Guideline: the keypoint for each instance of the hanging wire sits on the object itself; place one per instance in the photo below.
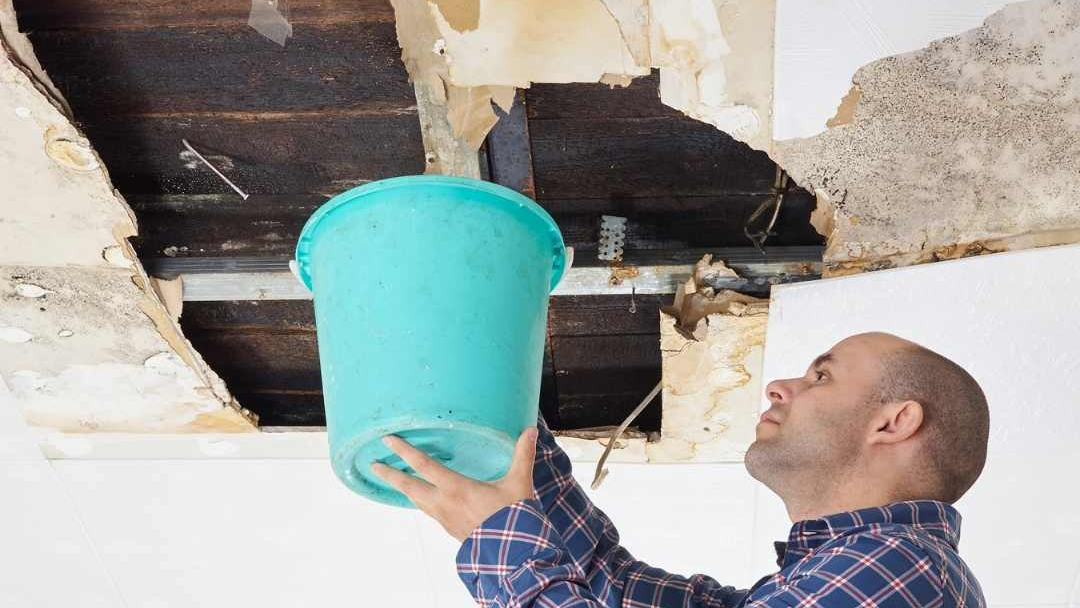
(601, 472)
(758, 238)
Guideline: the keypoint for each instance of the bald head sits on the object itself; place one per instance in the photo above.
(956, 419)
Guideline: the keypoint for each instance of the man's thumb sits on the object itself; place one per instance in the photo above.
(521, 469)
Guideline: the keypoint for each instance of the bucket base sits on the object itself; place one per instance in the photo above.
(475, 451)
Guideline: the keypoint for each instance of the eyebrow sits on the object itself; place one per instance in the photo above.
(822, 360)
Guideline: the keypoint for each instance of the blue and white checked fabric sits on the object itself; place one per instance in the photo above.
(558, 550)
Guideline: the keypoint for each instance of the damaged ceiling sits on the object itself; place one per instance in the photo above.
(947, 141)
(142, 77)
(987, 160)
(86, 342)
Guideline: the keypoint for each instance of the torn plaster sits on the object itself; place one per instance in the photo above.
(715, 61)
(95, 361)
(79, 314)
(969, 146)
(18, 46)
(514, 44)
(712, 345)
(711, 373)
(58, 207)
(715, 56)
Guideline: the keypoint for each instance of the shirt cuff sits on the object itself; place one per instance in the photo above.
(503, 544)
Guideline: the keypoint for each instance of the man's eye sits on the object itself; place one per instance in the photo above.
(819, 376)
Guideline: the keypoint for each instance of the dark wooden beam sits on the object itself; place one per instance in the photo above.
(305, 154)
(643, 157)
(509, 149)
(35, 15)
(580, 100)
(601, 378)
(231, 72)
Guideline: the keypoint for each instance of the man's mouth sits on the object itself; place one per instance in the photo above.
(768, 417)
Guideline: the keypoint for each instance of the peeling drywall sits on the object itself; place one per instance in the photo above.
(715, 56)
(711, 345)
(88, 343)
(93, 360)
(969, 146)
(715, 60)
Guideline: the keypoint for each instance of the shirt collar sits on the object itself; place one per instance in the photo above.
(934, 517)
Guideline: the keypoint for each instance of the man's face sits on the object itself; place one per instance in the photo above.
(817, 423)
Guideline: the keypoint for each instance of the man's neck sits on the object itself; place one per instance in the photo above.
(815, 503)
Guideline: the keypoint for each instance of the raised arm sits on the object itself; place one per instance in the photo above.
(559, 550)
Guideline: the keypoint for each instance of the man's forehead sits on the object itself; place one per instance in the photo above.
(858, 350)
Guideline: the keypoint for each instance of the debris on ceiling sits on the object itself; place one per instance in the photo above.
(87, 342)
(929, 155)
(708, 56)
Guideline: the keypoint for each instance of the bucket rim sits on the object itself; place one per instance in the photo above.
(509, 196)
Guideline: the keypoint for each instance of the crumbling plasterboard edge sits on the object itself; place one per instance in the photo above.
(445, 153)
(1017, 242)
(711, 389)
(73, 196)
(711, 376)
(19, 46)
(715, 59)
(468, 69)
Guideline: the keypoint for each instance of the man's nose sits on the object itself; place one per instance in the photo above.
(781, 391)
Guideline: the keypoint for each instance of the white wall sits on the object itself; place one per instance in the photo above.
(220, 528)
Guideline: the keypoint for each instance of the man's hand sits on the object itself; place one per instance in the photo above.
(459, 503)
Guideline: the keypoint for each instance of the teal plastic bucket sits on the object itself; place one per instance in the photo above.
(431, 298)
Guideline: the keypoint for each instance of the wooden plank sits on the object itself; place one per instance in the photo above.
(605, 315)
(509, 149)
(306, 154)
(261, 359)
(595, 100)
(582, 411)
(282, 315)
(111, 14)
(284, 407)
(601, 378)
(348, 68)
(643, 157)
(221, 224)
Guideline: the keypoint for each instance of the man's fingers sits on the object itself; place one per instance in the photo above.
(428, 468)
(521, 469)
(418, 490)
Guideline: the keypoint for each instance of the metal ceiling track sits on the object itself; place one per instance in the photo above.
(642, 272)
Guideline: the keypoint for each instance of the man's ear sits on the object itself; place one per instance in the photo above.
(896, 422)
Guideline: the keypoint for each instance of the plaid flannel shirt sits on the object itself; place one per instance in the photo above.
(557, 550)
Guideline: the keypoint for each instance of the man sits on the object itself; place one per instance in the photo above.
(868, 450)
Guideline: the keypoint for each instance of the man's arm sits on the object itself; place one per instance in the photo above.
(559, 550)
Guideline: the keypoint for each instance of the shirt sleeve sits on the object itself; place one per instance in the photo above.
(867, 569)
(558, 550)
